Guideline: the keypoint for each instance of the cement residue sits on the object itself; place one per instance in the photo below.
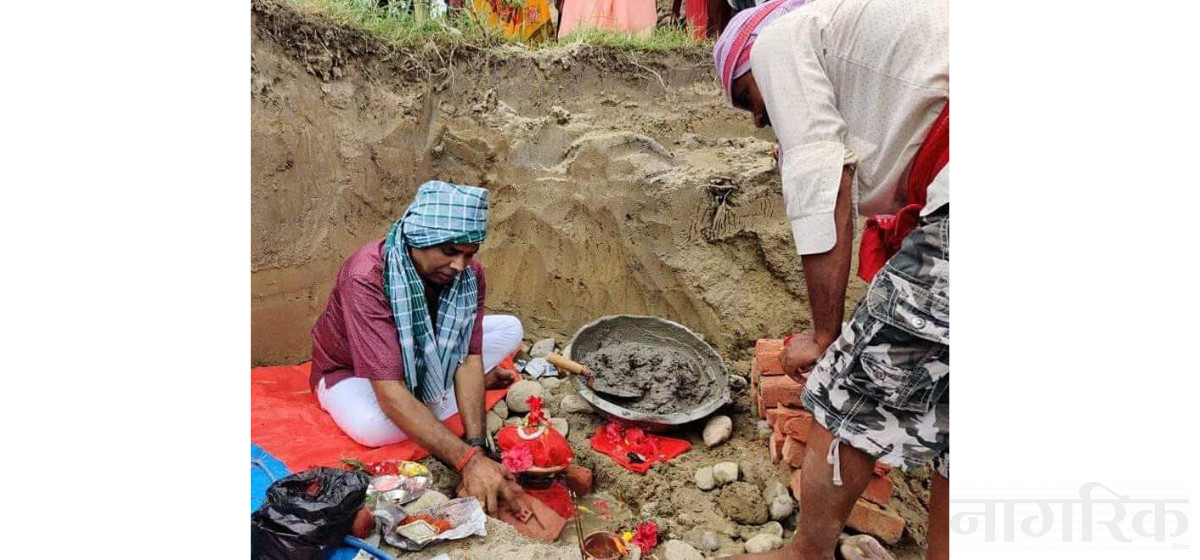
(670, 380)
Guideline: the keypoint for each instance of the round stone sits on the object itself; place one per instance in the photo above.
(561, 425)
(724, 473)
(675, 549)
(704, 479)
(781, 507)
(519, 392)
(494, 423)
(575, 403)
(763, 543)
(717, 430)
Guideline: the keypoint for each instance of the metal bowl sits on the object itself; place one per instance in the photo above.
(666, 333)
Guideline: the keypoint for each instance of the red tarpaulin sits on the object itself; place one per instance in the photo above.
(287, 421)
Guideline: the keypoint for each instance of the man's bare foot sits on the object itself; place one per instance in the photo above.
(500, 378)
(863, 547)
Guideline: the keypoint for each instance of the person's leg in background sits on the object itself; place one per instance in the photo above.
(939, 509)
(880, 392)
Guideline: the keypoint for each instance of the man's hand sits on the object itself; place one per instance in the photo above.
(486, 481)
(500, 378)
(801, 354)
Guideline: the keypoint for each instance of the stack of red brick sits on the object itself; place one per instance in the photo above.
(777, 398)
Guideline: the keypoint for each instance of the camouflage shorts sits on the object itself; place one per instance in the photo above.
(884, 386)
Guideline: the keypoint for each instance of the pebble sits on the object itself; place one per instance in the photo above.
(764, 428)
(514, 421)
(724, 473)
(709, 542)
(561, 425)
(772, 489)
(501, 408)
(494, 423)
(717, 430)
(763, 543)
(704, 479)
(781, 507)
(550, 383)
(542, 348)
(519, 392)
(635, 552)
(675, 549)
(772, 528)
(575, 403)
(538, 367)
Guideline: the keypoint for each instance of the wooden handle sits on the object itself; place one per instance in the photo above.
(561, 362)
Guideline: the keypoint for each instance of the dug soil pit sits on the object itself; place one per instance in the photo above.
(621, 183)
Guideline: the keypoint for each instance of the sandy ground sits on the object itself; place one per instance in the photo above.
(621, 184)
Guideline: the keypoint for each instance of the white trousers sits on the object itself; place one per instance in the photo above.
(355, 410)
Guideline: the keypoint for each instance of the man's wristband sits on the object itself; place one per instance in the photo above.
(480, 442)
(466, 458)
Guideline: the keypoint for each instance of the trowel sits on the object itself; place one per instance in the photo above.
(603, 386)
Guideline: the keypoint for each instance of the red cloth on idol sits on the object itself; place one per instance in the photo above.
(549, 450)
(618, 444)
(884, 233)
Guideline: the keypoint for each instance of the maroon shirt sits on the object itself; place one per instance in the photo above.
(355, 336)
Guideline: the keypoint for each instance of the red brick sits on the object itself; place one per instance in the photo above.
(776, 445)
(794, 484)
(755, 389)
(766, 351)
(883, 523)
(793, 452)
(779, 390)
(798, 426)
(542, 522)
(578, 479)
(779, 412)
(879, 490)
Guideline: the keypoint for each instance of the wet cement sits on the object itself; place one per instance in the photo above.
(669, 379)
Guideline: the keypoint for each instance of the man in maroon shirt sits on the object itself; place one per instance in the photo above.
(360, 366)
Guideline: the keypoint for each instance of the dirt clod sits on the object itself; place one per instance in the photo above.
(743, 503)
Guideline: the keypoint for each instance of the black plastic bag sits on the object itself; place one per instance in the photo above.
(305, 513)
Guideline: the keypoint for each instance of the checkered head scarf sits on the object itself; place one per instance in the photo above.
(441, 213)
(731, 53)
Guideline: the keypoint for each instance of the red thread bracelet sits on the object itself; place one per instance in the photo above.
(466, 458)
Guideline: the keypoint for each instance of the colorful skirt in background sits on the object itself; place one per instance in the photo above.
(525, 20)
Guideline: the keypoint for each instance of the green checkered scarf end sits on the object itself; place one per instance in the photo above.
(441, 213)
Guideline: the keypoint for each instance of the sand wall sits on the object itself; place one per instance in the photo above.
(621, 183)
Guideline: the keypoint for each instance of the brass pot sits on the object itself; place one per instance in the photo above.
(603, 545)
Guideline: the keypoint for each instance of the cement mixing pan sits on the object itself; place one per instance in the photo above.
(599, 337)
